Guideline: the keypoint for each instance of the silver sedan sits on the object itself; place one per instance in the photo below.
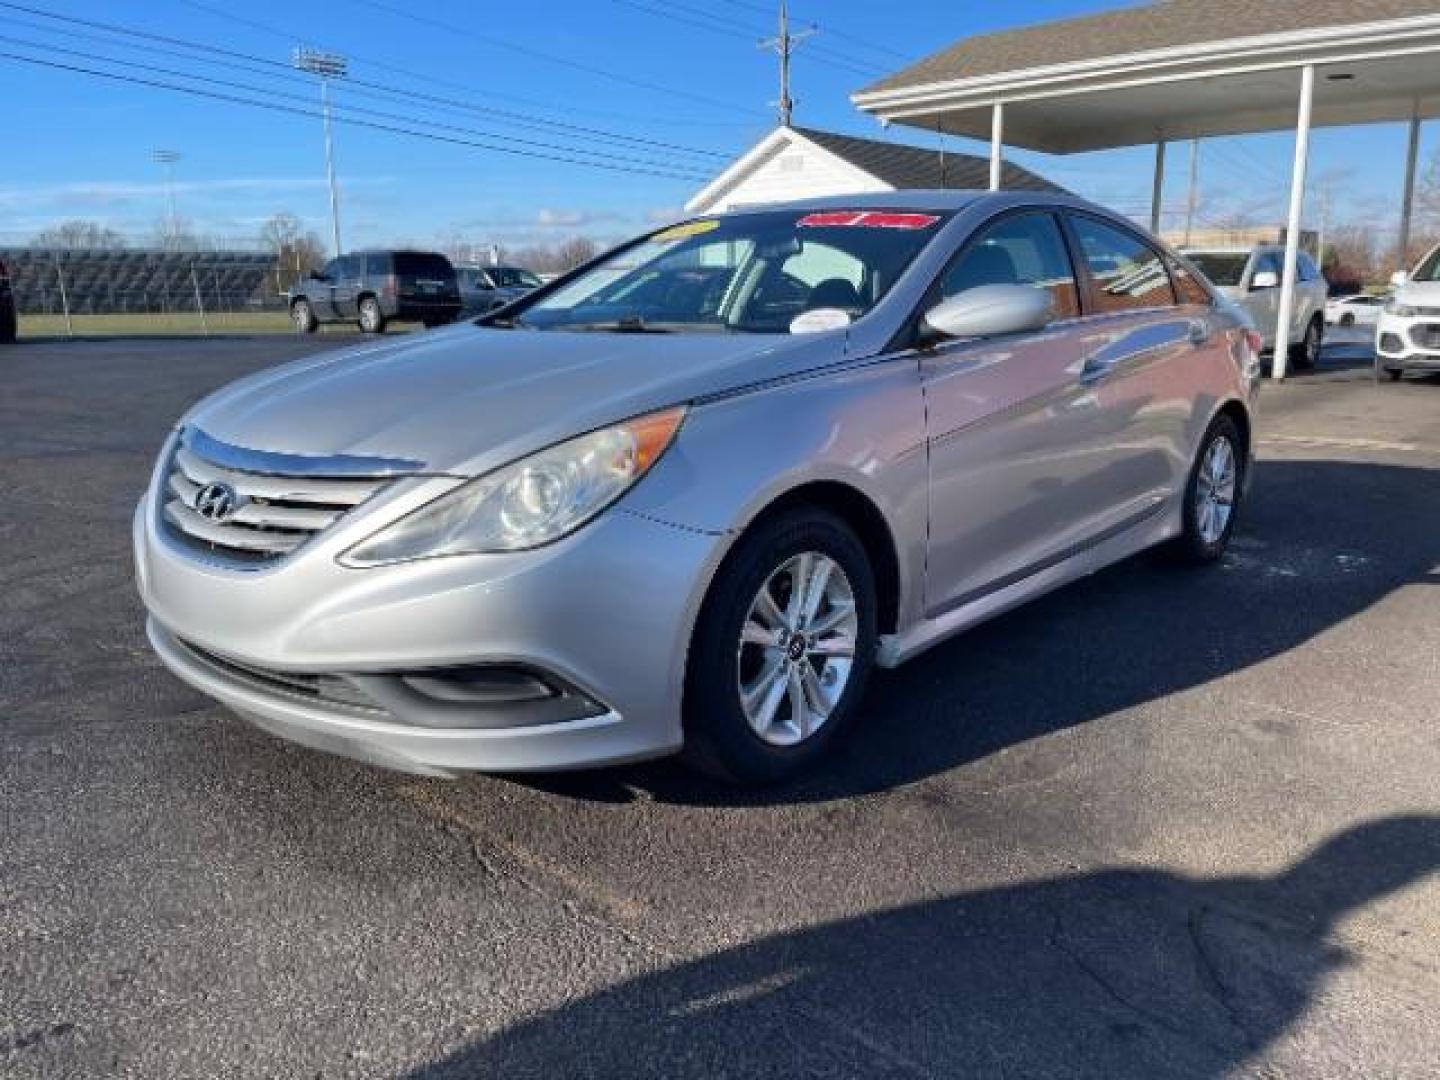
(687, 498)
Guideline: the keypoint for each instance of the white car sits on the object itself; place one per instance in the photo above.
(1250, 277)
(1407, 337)
(1358, 310)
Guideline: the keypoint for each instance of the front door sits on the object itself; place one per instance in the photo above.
(1003, 416)
(344, 286)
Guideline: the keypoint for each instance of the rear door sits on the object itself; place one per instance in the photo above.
(345, 287)
(1142, 352)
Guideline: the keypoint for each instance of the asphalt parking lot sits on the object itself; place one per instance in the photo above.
(1162, 823)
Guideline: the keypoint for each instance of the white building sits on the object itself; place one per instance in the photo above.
(799, 163)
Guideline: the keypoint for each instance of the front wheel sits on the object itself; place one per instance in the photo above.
(782, 650)
(1212, 495)
(372, 320)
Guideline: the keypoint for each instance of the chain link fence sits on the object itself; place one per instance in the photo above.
(75, 292)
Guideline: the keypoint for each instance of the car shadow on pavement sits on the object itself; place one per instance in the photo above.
(1117, 973)
(1319, 542)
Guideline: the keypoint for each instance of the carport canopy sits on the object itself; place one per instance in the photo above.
(1164, 71)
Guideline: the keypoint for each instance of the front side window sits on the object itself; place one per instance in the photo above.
(1024, 249)
(331, 270)
(755, 273)
(1127, 272)
(377, 265)
(513, 277)
(1305, 267)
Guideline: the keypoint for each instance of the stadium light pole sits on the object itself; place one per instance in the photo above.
(327, 66)
(167, 159)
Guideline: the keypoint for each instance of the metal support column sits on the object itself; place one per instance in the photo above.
(1157, 191)
(1292, 228)
(997, 143)
(1407, 203)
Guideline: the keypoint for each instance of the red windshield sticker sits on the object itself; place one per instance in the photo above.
(867, 219)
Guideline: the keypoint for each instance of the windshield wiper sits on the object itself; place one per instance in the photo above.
(629, 324)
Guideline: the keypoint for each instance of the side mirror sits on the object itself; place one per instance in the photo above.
(989, 311)
(1264, 279)
(1399, 279)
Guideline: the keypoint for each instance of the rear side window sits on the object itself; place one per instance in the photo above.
(1127, 272)
(1023, 249)
(1268, 262)
(377, 265)
(412, 264)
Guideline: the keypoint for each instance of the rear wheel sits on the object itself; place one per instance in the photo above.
(1395, 373)
(1212, 495)
(782, 650)
(1305, 353)
(372, 320)
(303, 316)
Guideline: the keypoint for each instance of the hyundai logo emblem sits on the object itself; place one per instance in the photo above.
(216, 502)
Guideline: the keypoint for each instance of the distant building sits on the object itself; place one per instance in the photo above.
(800, 163)
(1241, 237)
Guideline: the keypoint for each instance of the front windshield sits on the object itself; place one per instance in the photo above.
(1221, 267)
(1429, 268)
(770, 272)
(512, 277)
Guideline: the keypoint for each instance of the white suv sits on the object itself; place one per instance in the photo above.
(1408, 334)
(1251, 278)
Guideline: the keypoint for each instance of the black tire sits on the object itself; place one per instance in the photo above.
(1305, 353)
(1395, 373)
(303, 316)
(719, 740)
(372, 319)
(1192, 546)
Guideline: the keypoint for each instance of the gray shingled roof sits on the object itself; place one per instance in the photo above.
(1166, 24)
(907, 167)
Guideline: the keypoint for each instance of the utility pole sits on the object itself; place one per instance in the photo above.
(327, 66)
(167, 159)
(784, 46)
(1194, 190)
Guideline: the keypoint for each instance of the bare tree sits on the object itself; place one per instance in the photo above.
(79, 235)
(298, 250)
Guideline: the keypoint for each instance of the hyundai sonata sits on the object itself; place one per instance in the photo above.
(688, 496)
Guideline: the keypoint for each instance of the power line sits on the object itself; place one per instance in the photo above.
(570, 108)
(156, 70)
(705, 20)
(855, 39)
(279, 70)
(551, 58)
(311, 113)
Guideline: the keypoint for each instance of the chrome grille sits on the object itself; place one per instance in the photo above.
(268, 513)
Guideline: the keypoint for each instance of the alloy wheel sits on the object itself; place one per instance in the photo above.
(797, 649)
(1215, 485)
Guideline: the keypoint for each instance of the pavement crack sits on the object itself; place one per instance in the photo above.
(1057, 941)
(1210, 975)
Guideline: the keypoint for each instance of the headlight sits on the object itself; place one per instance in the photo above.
(531, 502)
(1403, 311)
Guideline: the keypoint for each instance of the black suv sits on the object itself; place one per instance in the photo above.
(7, 307)
(373, 287)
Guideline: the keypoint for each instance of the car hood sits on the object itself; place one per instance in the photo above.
(466, 399)
(1420, 293)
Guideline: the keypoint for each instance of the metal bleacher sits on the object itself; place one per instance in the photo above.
(46, 281)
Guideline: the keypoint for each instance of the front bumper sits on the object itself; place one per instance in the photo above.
(608, 612)
(1408, 343)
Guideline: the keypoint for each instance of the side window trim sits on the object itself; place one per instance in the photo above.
(1088, 289)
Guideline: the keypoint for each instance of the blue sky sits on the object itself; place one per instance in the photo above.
(692, 80)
